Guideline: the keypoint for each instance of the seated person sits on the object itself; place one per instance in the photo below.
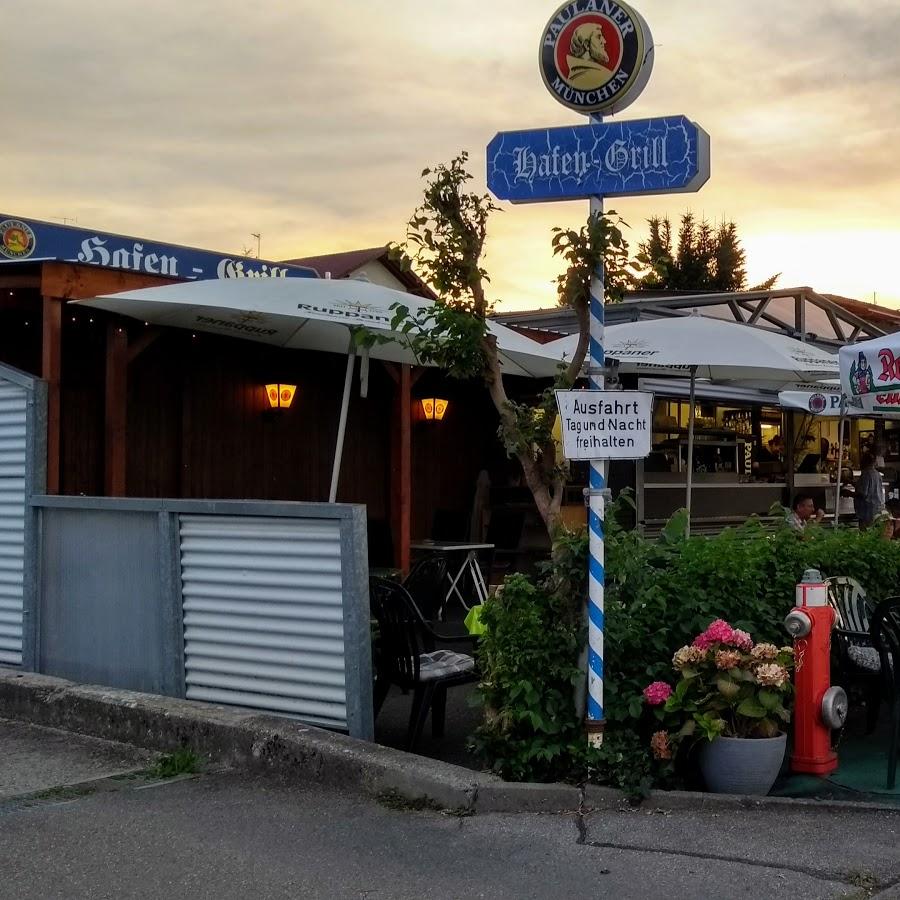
(892, 522)
(803, 511)
(771, 451)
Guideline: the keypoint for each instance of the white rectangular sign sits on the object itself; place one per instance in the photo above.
(605, 424)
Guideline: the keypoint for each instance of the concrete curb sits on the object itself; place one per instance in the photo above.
(251, 741)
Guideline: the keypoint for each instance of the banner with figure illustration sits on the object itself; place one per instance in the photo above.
(870, 374)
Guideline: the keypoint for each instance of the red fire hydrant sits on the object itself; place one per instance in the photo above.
(818, 706)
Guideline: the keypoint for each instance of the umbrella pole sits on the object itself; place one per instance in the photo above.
(342, 424)
(690, 450)
(840, 457)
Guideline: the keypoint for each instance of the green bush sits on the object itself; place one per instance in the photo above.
(659, 595)
(529, 657)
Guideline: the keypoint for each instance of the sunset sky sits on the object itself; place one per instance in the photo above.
(199, 122)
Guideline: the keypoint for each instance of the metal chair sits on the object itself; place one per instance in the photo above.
(857, 659)
(886, 638)
(404, 658)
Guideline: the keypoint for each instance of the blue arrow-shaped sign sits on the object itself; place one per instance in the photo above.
(667, 155)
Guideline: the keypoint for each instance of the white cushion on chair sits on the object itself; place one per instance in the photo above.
(441, 663)
(865, 657)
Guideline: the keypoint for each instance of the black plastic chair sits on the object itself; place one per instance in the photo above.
(856, 656)
(504, 531)
(886, 638)
(405, 660)
(426, 584)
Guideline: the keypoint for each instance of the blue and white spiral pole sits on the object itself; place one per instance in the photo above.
(597, 488)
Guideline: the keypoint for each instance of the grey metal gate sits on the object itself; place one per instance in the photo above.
(22, 461)
(264, 614)
(258, 604)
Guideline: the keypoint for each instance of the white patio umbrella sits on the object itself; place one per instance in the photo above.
(707, 348)
(306, 313)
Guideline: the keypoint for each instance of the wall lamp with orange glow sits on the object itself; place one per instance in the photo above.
(433, 408)
(281, 396)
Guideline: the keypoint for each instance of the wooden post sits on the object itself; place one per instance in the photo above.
(405, 483)
(116, 419)
(404, 377)
(401, 464)
(51, 372)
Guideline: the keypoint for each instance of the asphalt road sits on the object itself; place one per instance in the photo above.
(226, 835)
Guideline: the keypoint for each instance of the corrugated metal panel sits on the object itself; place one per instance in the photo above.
(13, 406)
(263, 615)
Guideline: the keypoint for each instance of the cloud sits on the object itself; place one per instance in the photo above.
(200, 122)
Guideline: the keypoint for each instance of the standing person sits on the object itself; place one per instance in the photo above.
(869, 498)
(803, 511)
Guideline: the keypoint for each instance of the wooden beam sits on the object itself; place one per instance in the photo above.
(116, 419)
(150, 336)
(401, 470)
(12, 281)
(73, 282)
(51, 372)
(19, 303)
(392, 370)
(760, 309)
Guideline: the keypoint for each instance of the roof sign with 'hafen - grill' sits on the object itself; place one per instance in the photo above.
(644, 156)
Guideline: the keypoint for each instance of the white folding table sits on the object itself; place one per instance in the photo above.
(469, 564)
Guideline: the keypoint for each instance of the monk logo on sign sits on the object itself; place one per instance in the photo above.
(16, 239)
(592, 55)
(817, 403)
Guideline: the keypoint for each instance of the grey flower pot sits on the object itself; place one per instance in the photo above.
(742, 765)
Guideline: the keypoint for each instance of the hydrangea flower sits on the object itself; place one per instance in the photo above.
(657, 693)
(764, 652)
(718, 632)
(728, 659)
(771, 675)
(742, 640)
(688, 656)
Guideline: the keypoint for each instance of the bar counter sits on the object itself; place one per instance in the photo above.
(718, 496)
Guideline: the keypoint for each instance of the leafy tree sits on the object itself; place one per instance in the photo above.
(705, 258)
(445, 241)
(768, 284)
(728, 259)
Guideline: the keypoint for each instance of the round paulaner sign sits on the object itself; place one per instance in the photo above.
(596, 55)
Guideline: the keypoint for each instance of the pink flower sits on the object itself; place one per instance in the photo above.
(742, 640)
(657, 693)
(718, 632)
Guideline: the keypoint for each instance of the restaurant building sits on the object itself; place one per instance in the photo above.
(749, 453)
(136, 410)
(141, 411)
